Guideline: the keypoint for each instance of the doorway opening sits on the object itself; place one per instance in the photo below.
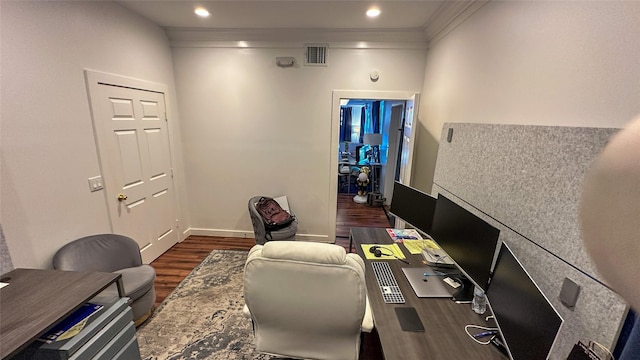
(370, 137)
(371, 133)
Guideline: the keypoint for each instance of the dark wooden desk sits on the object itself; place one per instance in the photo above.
(35, 300)
(444, 320)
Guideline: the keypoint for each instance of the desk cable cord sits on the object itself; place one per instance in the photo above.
(458, 278)
(454, 275)
(440, 258)
(492, 332)
(436, 273)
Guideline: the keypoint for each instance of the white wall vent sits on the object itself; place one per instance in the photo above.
(315, 55)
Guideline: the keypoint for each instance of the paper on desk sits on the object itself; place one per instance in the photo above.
(387, 249)
(416, 246)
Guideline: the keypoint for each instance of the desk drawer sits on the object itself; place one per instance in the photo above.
(105, 336)
(130, 351)
(119, 344)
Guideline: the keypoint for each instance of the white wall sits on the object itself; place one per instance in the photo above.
(552, 63)
(250, 127)
(571, 63)
(48, 148)
(542, 63)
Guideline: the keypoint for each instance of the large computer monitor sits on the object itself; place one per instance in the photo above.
(528, 322)
(468, 240)
(413, 206)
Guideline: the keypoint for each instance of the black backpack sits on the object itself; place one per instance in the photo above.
(273, 215)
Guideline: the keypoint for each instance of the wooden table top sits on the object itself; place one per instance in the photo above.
(37, 299)
(444, 320)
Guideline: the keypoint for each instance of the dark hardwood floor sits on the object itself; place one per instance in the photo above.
(175, 264)
(351, 214)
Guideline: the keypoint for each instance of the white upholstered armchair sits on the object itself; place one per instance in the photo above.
(306, 300)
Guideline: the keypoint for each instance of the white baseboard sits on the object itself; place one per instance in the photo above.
(221, 232)
(249, 234)
(314, 238)
(185, 234)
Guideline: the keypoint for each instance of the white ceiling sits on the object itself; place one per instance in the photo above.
(289, 14)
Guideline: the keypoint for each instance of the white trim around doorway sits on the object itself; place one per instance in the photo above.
(335, 139)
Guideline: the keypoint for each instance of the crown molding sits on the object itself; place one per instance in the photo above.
(360, 38)
(297, 44)
(448, 17)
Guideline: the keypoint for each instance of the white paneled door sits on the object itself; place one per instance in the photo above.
(408, 140)
(133, 143)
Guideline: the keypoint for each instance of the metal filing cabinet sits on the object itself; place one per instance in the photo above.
(109, 334)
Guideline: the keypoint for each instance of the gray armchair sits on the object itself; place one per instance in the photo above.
(260, 233)
(113, 253)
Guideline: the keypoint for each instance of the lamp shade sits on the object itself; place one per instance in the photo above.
(372, 139)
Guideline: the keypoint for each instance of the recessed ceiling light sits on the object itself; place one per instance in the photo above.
(373, 12)
(202, 12)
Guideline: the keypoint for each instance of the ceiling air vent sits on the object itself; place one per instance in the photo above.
(315, 55)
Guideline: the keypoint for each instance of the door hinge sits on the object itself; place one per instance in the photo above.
(171, 172)
(166, 118)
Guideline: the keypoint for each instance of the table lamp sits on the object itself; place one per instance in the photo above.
(374, 140)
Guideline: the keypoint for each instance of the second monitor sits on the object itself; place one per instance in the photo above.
(468, 240)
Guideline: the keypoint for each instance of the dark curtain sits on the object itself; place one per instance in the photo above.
(363, 117)
(375, 117)
(628, 346)
(345, 124)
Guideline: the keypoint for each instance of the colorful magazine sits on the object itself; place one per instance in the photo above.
(404, 234)
(71, 325)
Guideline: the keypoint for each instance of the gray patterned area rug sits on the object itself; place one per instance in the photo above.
(202, 318)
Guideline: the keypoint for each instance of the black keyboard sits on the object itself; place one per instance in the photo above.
(391, 293)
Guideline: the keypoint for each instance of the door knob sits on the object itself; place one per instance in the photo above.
(122, 197)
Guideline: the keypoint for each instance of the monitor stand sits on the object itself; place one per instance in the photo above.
(464, 295)
(499, 344)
